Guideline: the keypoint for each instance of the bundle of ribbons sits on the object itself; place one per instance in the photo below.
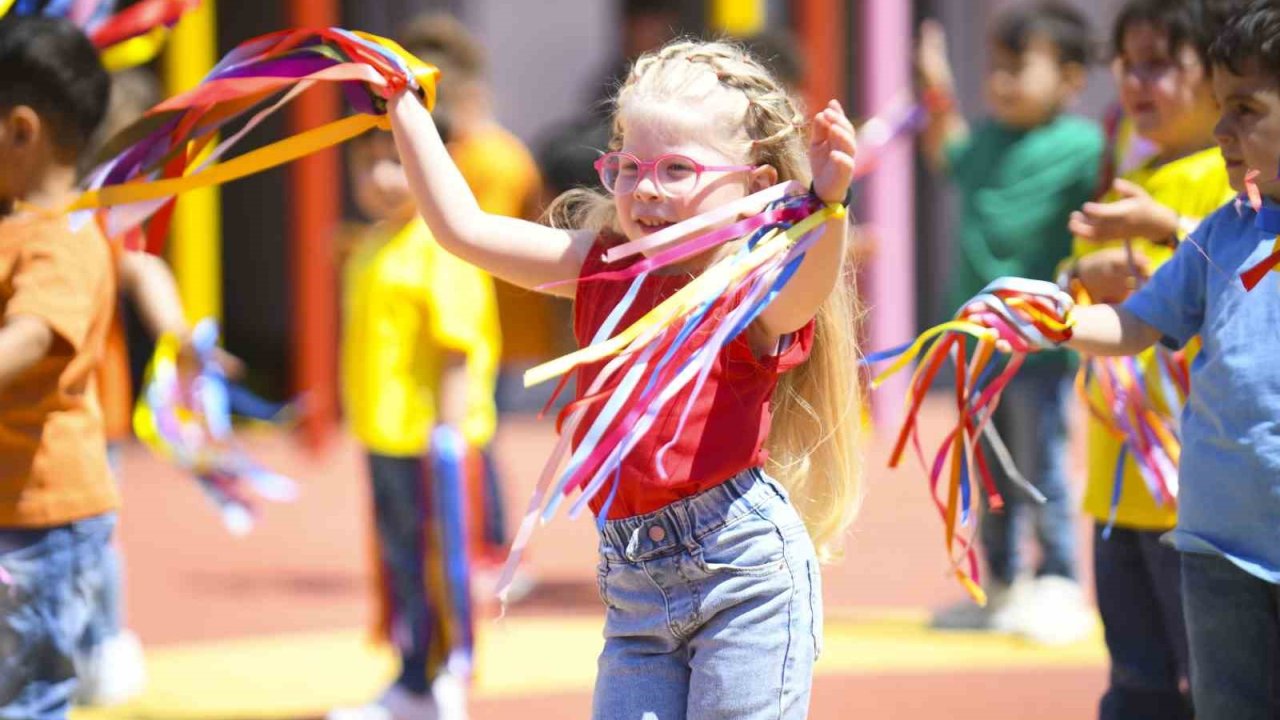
(1010, 318)
(1138, 400)
(184, 414)
(126, 39)
(171, 149)
(647, 365)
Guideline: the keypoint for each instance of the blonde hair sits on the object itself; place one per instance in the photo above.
(813, 448)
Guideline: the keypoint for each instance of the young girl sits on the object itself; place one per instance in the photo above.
(710, 578)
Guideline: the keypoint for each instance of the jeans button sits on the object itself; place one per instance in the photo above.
(657, 533)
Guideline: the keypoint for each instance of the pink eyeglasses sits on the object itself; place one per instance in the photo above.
(621, 172)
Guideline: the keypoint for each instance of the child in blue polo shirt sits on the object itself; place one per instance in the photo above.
(1228, 527)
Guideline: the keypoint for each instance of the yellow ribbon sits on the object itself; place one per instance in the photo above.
(135, 51)
(426, 74)
(1039, 315)
(909, 355)
(263, 158)
(144, 421)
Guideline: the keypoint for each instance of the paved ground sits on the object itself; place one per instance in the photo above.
(271, 625)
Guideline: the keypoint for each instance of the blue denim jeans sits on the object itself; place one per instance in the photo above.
(45, 614)
(1139, 583)
(1031, 420)
(714, 609)
(1233, 624)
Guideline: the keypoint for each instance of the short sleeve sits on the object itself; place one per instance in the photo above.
(796, 348)
(1173, 301)
(58, 278)
(463, 307)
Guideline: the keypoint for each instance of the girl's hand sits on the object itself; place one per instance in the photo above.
(1134, 215)
(831, 151)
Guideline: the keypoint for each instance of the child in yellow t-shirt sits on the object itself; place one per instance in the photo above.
(504, 177)
(420, 347)
(1164, 87)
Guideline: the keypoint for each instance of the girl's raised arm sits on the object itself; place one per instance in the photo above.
(831, 152)
(520, 252)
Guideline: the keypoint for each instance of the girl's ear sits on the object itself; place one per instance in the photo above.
(763, 177)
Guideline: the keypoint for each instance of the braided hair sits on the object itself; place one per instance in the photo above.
(812, 443)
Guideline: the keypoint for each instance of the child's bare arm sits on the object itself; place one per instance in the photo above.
(945, 123)
(150, 284)
(1110, 330)
(831, 153)
(521, 252)
(24, 340)
(451, 405)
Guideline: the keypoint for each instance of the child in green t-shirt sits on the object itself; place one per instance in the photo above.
(1019, 174)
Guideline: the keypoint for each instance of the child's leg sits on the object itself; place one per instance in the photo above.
(753, 656)
(643, 671)
(1033, 424)
(1234, 634)
(1164, 567)
(1145, 667)
(55, 575)
(399, 509)
(495, 517)
(448, 563)
(714, 609)
(1002, 532)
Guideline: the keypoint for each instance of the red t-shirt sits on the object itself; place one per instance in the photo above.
(728, 423)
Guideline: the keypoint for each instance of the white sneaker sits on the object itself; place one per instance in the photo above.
(1057, 613)
(1005, 607)
(395, 704)
(115, 672)
(450, 693)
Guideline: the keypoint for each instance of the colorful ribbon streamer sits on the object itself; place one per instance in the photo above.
(169, 150)
(129, 38)
(1268, 221)
(1139, 406)
(134, 36)
(1010, 318)
(650, 363)
(184, 415)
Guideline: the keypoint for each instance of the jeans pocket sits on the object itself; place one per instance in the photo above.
(751, 546)
(815, 606)
(602, 584)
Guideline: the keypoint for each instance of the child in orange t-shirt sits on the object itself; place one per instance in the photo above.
(57, 288)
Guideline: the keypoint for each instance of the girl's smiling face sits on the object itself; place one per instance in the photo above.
(656, 129)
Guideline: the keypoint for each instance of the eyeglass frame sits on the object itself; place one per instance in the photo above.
(650, 167)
